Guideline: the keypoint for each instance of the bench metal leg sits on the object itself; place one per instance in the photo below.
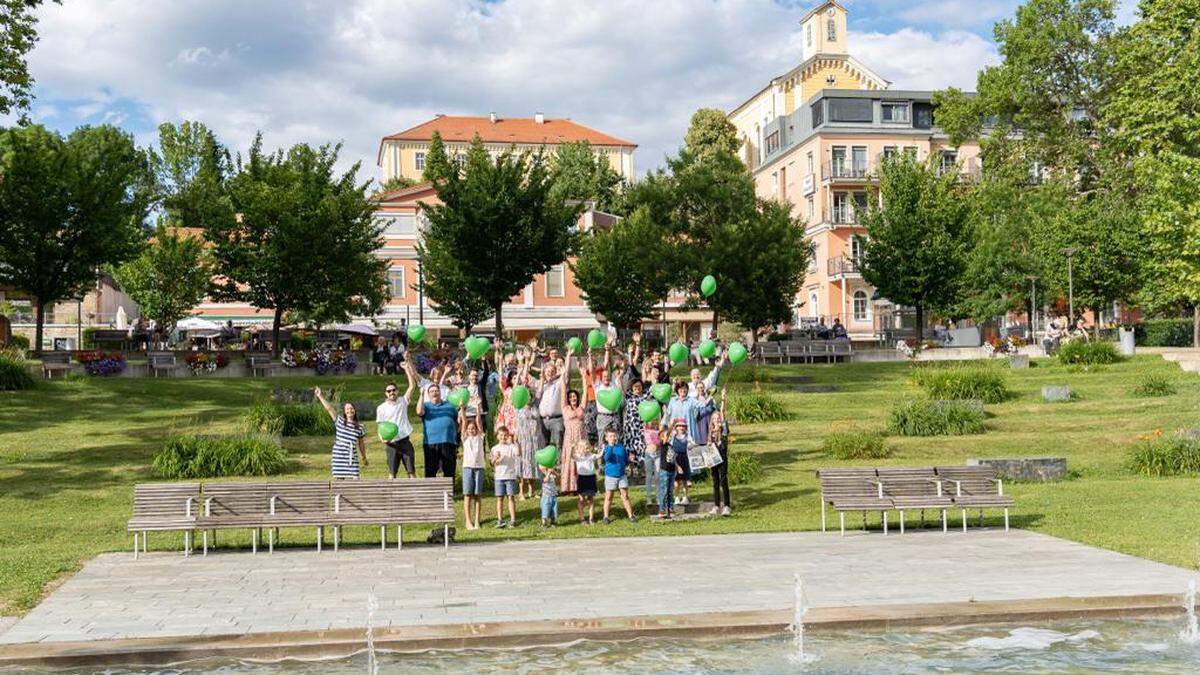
(964, 519)
(842, 517)
(135, 546)
(901, 521)
(944, 529)
(337, 534)
(187, 543)
(883, 514)
(205, 535)
(822, 515)
(320, 538)
(383, 537)
(144, 549)
(399, 537)
(1006, 520)
(446, 536)
(254, 541)
(271, 540)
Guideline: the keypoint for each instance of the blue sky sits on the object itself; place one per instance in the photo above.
(355, 70)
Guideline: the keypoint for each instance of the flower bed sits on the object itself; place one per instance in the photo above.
(1009, 345)
(96, 362)
(324, 361)
(206, 362)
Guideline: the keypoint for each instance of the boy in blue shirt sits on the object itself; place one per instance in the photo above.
(616, 469)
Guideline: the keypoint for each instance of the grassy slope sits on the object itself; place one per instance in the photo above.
(70, 452)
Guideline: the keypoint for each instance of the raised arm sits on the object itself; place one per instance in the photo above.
(421, 405)
(410, 377)
(325, 404)
(710, 381)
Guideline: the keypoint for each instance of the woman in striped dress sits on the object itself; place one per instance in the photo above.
(348, 436)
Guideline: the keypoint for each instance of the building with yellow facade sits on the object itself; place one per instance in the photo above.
(813, 138)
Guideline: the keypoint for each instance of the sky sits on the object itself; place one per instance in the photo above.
(352, 71)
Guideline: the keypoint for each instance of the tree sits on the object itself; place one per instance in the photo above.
(437, 162)
(18, 35)
(579, 173)
(496, 228)
(710, 133)
(168, 278)
(1156, 127)
(191, 168)
(621, 270)
(917, 222)
(303, 238)
(394, 183)
(67, 208)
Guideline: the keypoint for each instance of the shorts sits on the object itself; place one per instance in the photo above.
(400, 451)
(685, 469)
(614, 483)
(472, 481)
(586, 485)
(506, 487)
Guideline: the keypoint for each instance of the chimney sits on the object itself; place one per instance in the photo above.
(492, 117)
(539, 118)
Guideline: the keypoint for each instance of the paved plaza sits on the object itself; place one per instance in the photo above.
(164, 594)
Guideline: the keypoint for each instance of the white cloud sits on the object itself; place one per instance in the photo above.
(354, 71)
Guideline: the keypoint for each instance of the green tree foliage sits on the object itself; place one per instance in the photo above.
(191, 168)
(621, 269)
(919, 237)
(168, 278)
(303, 238)
(497, 227)
(438, 163)
(580, 173)
(710, 133)
(18, 35)
(394, 183)
(68, 206)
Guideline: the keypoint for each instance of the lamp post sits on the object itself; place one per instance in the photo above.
(420, 291)
(1032, 306)
(1070, 252)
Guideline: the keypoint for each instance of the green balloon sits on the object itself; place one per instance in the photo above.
(610, 398)
(416, 333)
(476, 346)
(661, 391)
(649, 410)
(678, 352)
(737, 353)
(520, 396)
(708, 349)
(596, 338)
(388, 430)
(459, 397)
(708, 285)
(575, 345)
(547, 457)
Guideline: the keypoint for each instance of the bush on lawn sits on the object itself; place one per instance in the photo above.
(1165, 456)
(188, 456)
(855, 444)
(985, 383)
(744, 467)
(1084, 353)
(1153, 385)
(19, 343)
(285, 419)
(14, 375)
(923, 417)
(753, 407)
(1165, 333)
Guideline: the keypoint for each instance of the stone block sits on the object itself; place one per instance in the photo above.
(1056, 393)
(1026, 468)
(1018, 361)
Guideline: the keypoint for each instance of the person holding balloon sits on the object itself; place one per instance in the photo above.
(506, 465)
(474, 457)
(572, 417)
(393, 426)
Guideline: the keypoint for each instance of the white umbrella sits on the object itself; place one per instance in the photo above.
(122, 318)
(356, 329)
(196, 325)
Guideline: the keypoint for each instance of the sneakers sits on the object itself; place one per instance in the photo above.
(633, 519)
(500, 524)
(512, 523)
(714, 511)
(726, 512)
(545, 523)
(607, 520)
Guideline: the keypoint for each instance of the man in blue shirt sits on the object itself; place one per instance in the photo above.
(616, 469)
(440, 423)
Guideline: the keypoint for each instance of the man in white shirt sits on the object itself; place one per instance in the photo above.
(550, 406)
(395, 410)
(710, 381)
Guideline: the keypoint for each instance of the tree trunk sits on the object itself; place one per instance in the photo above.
(38, 331)
(275, 331)
(499, 320)
(920, 323)
(1095, 323)
(1196, 325)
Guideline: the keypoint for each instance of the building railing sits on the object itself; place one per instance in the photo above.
(847, 169)
(841, 216)
(842, 265)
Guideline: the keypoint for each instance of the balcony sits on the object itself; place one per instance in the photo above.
(845, 215)
(847, 171)
(843, 266)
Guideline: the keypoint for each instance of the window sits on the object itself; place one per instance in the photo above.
(856, 248)
(841, 207)
(851, 110)
(910, 151)
(1037, 172)
(890, 151)
(949, 161)
(860, 204)
(809, 34)
(556, 281)
(772, 142)
(812, 211)
(818, 114)
(814, 310)
(812, 261)
(893, 111)
(399, 224)
(861, 306)
(923, 116)
(831, 31)
(837, 167)
(396, 282)
(810, 162)
(419, 161)
(858, 157)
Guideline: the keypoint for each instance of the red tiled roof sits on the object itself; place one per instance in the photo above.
(507, 130)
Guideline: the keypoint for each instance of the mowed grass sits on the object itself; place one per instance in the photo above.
(71, 451)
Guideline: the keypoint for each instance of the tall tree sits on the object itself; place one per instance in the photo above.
(168, 278)
(1154, 113)
(68, 207)
(496, 228)
(191, 168)
(710, 133)
(18, 35)
(438, 163)
(580, 173)
(918, 224)
(303, 237)
(623, 270)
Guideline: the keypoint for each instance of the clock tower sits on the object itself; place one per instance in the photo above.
(824, 30)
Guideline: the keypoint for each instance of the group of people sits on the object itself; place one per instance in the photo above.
(1059, 331)
(526, 397)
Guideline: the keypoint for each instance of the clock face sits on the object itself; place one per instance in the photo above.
(829, 11)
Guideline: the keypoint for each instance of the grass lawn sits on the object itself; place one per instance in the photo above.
(71, 451)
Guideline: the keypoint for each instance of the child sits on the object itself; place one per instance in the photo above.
(676, 451)
(549, 496)
(585, 471)
(718, 436)
(616, 468)
(506, 457)
(474, 454)
(653, 439)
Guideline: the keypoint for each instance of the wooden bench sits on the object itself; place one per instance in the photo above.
(110, 338)
(912, 488)
(259, 362)
(796, 350)
(390, 502)
(975, 487)
(769, 350)
(297, 504)
(164, 507)
(840, 350)
(159, 362)
(850, 489)
(55, 362)
(233, 506)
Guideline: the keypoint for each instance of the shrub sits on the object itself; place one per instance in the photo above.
(1165, 456)
(744, 467)
(285, 419)
(299, 341)
(1154, 385)
(1080, 352)
(14, 375)
(985, 383)
(1165, 333)
(922, 417)
(855, 444)
(756, 406)
(188, 456)
(19, 342)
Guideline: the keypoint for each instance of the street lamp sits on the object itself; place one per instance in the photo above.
(1070, 252)
(1032, 306)
(421, 291)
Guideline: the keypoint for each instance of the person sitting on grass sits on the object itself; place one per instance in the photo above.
(616, 469)
(348, 434)
(549, 495)
(474, 453)
(584, 460)
(679, 444)
(506, 457)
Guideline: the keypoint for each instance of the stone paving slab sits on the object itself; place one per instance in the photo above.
(163, 594)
